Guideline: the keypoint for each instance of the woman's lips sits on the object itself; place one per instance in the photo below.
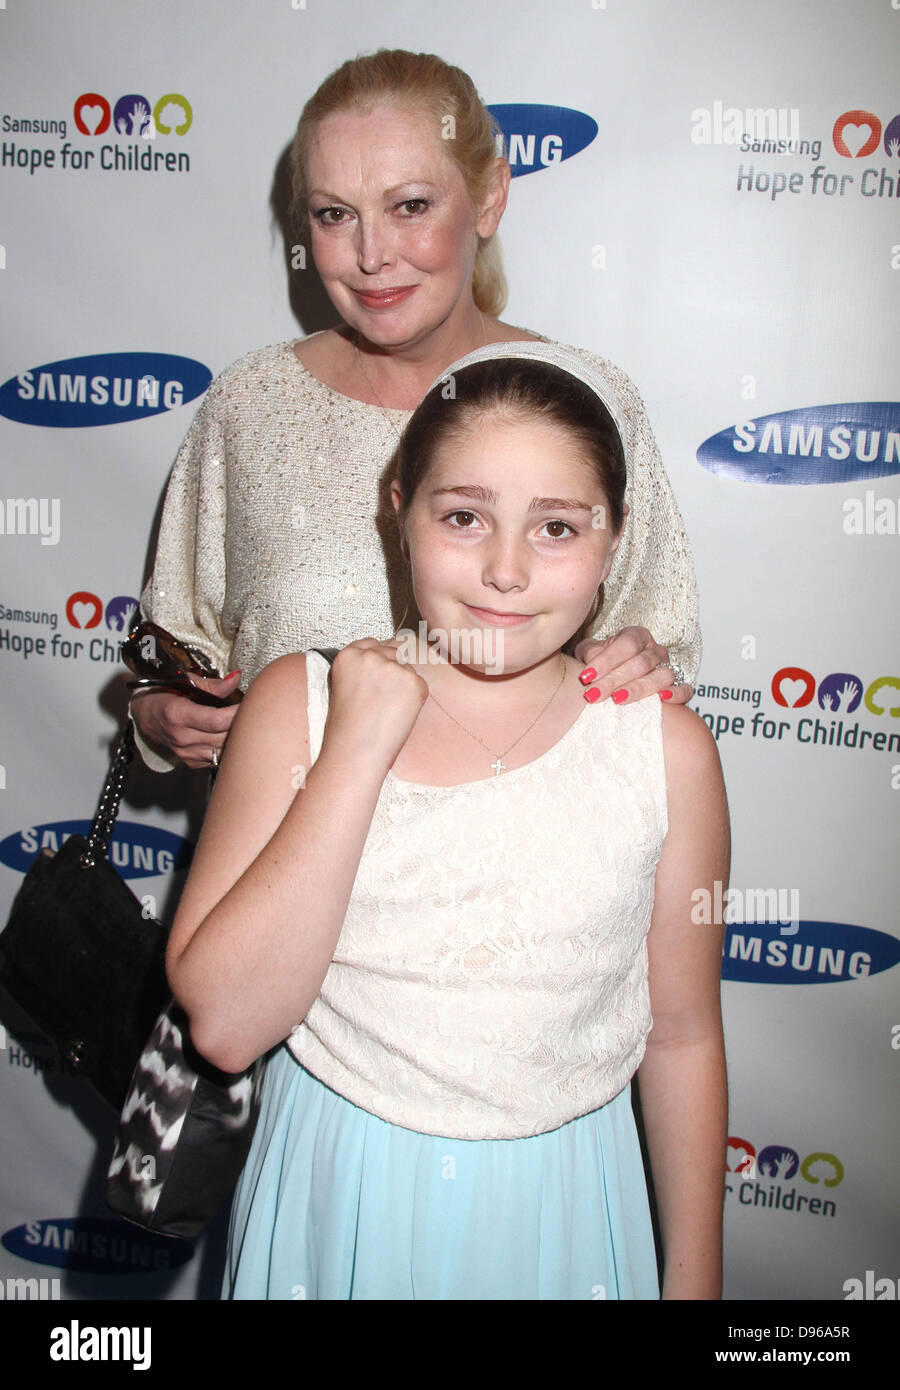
(384, 299)
(487, 615)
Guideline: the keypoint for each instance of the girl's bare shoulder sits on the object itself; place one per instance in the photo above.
(277, 696)
(689, 746)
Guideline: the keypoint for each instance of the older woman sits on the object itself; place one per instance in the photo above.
(273, 536)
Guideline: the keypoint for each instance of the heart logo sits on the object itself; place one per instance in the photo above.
(82, 613)
(92, 113)
(855, 136)
(793, 687)
(84, 609)
(792, 691)
(864, 132)
(92, 116)
(740, 1156)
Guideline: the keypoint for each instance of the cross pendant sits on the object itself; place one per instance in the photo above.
(499, 766)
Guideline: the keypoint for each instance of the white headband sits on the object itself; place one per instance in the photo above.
(557, 355)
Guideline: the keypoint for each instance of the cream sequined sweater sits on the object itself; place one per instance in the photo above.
(278, 535)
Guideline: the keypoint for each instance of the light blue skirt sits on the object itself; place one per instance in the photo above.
(335, 1203)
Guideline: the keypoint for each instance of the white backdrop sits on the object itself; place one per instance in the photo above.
(731, 283)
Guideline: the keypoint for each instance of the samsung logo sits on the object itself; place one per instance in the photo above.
(818, 444)
(534, 137)
(96, 1245)
(137, 851)
(106, 389)
(819, 953)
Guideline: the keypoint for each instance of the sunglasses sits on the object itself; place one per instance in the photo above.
(162, 662)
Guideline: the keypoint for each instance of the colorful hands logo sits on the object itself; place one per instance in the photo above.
(132, 115)
(856, 135)
(779, 1162)
(838, 693)
(84, 610)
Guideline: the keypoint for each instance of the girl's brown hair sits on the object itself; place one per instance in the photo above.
(517, 389)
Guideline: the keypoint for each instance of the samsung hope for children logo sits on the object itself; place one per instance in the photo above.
(793, 687)
(84, 610)
(103, 389)
(764, 1177)
(534, 137)
(856, 135)
(132, 115)
(134, 126)
(812, 445)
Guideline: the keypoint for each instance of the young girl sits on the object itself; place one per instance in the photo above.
(456, 891)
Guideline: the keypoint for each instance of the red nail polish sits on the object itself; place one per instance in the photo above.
(587, 675)
(232, 673)
(665, 694)
(592, 695)
(619, 696)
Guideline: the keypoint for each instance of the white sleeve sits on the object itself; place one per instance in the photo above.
(186, 591)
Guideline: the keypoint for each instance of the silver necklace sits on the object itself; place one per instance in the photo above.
(499, 765)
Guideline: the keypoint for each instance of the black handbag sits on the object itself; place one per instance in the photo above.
(184, 1132)
(80, 955)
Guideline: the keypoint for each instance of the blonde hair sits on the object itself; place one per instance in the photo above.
(420, 82)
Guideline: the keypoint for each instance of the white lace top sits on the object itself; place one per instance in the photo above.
(490, 978)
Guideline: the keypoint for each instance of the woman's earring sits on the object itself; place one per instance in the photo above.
(402, 621)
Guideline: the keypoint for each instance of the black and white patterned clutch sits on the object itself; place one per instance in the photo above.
(184, 1134)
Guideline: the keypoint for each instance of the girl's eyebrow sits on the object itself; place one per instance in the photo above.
(559, 504)
(538, 504)
(462, 491)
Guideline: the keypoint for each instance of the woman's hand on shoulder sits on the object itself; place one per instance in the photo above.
(629, 667)
(375, 698)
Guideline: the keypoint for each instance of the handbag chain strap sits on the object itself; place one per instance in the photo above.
(108, 806)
